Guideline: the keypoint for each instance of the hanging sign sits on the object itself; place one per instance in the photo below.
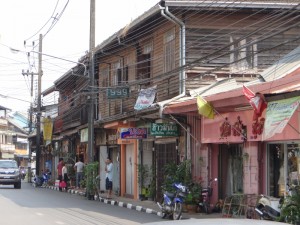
(278, 115)
(164, 129)
(133, 133)
(146, 98)
(84, 135)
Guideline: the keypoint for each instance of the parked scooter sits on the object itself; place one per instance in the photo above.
(206, 193)
(171, 205)
(41, 181)
(269, 208)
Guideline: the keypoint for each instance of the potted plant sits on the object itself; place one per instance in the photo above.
(90, 176)
(290, 209)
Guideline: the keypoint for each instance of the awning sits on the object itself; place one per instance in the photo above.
(228, 101)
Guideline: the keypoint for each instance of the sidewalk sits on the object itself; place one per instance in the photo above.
(142, 206)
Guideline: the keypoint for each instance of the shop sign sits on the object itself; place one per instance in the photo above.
(164, 129)
(133, 133)
(118, 92)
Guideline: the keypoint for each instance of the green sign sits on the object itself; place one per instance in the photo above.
(164, 129)
(118, 92)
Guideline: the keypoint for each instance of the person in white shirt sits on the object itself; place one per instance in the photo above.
(109, 177)
(64, 172)
(79, 166)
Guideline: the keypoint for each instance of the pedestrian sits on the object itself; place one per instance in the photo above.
(59, 171)
(79, 166)
(109, 177)
(65, 176)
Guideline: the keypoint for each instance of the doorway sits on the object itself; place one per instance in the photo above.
(230, 169)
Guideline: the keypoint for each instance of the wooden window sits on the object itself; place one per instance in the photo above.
(117, 74)
(243, 56)
(104, 76)
(126, 74)
(148, 47)
(169, 51)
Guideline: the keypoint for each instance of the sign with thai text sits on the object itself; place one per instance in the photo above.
(164, 129)
(278, 115)
(133, 133)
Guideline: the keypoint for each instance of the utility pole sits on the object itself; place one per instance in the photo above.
(38, 116)
(30, 123)
(91, 101)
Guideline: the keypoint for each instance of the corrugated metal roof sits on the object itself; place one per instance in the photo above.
(252, 4)
(272, 4)
(218, 87)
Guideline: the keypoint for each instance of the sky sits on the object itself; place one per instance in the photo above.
(65, 26)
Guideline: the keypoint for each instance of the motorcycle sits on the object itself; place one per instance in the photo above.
(172, 202)
(206, 193)
(269, 208)
(41, 181)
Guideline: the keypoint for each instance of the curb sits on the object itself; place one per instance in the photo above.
(115, 203)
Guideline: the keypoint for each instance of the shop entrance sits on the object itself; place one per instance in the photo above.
(230, 169)
(283, 161)
(165, 153)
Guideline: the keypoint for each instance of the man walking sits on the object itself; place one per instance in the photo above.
(79, 172)
(109, 177)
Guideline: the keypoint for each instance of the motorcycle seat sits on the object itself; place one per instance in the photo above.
(170, 195)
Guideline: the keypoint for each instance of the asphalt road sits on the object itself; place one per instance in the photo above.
(36, 206)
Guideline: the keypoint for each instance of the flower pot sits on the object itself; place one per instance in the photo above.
(191, 208)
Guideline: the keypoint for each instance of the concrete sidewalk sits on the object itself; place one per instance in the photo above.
(143, 206)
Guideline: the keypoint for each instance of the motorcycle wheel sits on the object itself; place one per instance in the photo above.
(163, 214)
(205, 207)
(265, 215)
(177, 211)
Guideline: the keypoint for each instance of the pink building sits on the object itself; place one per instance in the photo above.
(231, 146)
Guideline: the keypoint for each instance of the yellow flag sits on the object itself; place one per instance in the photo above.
(204, 108)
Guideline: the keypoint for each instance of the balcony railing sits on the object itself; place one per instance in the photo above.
(73, 118)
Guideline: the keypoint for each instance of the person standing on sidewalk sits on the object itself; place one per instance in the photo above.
(79, 172)
(109, 177)
(59, 171)
(65, 176)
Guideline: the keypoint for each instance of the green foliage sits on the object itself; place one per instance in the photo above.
(182, 174)
(177, 174)
(290, 209)
(90, 175)
(143, 173)
(152, 186)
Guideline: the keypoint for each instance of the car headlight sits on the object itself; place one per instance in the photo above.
(17, 172)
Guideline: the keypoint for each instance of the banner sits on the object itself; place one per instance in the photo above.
(278, 115)
(47, 129)
(146, 98)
